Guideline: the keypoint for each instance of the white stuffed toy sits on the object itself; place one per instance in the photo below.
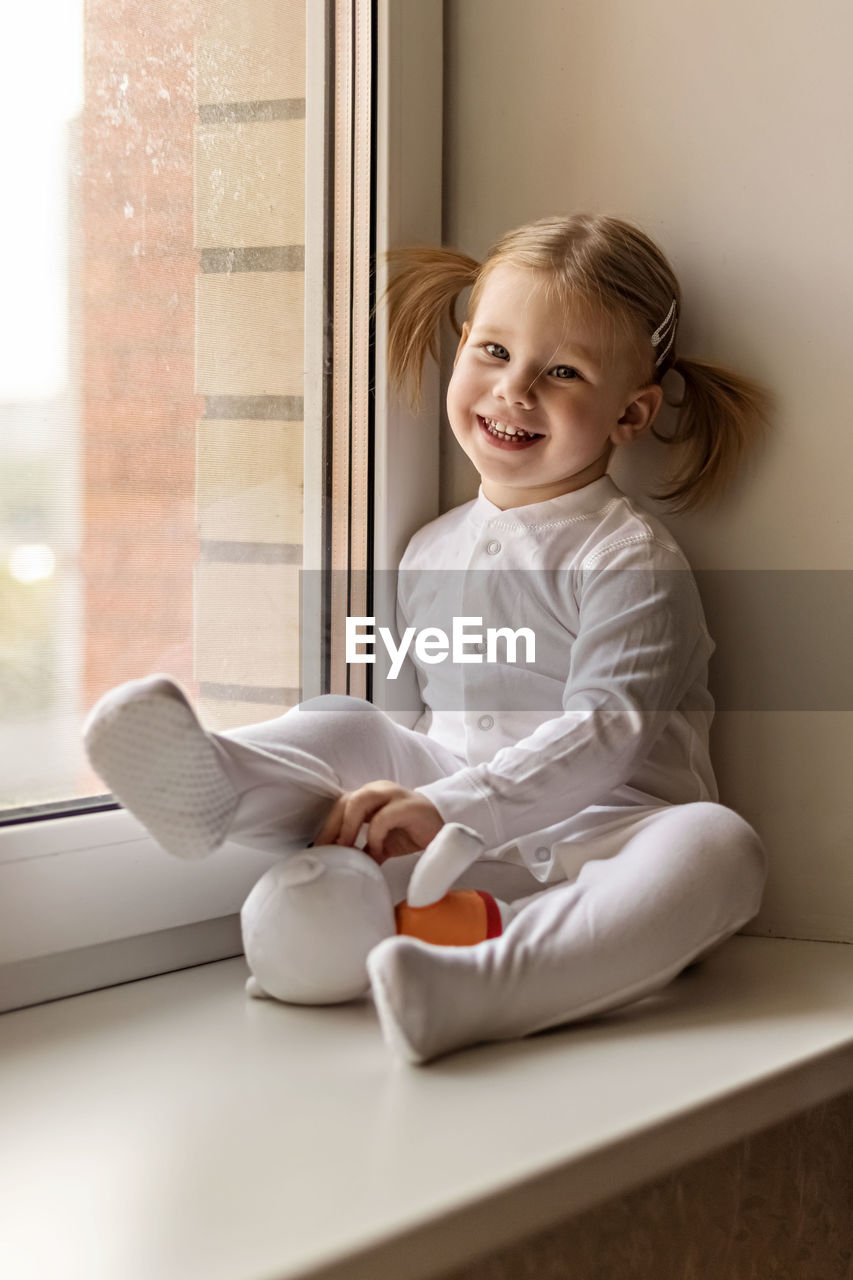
(311, 921)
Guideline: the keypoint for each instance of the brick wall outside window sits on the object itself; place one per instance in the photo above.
(190, 294)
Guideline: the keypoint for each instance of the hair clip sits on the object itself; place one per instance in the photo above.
(661, 332)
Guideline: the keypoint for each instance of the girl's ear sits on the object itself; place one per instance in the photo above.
(466, 329)
(638, 415)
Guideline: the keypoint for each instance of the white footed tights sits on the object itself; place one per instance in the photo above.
(625, 927)
(684, 880)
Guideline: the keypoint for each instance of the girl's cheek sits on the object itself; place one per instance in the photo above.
(455, 399)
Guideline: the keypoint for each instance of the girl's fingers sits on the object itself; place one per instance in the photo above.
(351, 824)
(405, 825)
(346, 816)
(360, 806)
(397, 844)
(328, 833)
(354, 808)
(378, 831)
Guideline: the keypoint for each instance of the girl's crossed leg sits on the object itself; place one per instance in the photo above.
(268, 786)
(685, 881)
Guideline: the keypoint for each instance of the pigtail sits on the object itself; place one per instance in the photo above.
(424, 286)
(722, 416)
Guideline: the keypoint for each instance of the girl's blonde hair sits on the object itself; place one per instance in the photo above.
(616, 272)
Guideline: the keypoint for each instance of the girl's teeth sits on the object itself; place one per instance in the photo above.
(507, 433)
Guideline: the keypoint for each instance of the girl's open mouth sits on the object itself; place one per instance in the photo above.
(503, 436)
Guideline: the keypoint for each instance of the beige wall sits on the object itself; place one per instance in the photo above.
(723, 129)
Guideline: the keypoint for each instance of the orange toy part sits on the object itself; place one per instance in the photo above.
(461, 918)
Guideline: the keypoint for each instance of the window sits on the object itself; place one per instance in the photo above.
(153, 492)
(216, 369)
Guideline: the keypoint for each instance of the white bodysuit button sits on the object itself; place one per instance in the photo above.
(542, 854)
(493, 547)
(486, 722)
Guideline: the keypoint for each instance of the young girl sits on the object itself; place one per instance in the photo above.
(585, 771)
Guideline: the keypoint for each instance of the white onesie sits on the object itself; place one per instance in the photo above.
(584, 766)
(612, 716)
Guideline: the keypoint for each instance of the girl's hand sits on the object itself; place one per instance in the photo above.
(400, 821)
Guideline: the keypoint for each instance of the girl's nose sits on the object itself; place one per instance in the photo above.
(515, 389)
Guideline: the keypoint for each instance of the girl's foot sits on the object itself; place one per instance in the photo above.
(145, 741)
(430, 999)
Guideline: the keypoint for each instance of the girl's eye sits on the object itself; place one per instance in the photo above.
(495, 349)
(565, 372)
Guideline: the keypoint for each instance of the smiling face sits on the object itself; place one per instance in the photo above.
(539, 395)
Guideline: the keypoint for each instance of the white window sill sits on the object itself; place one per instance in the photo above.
(174, 1128)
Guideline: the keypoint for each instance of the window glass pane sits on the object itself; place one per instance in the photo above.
(151, 375)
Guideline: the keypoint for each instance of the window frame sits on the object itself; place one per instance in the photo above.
(67, 921)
